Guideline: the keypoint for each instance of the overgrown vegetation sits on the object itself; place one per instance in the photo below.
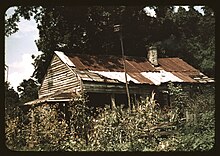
(188, 125)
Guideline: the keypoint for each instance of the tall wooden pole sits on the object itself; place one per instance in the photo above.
(117, 29)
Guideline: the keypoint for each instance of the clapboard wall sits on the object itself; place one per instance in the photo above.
(58, 77)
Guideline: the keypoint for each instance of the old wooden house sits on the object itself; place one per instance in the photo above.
(103, 77)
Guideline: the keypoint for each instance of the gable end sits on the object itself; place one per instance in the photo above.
(59, 77)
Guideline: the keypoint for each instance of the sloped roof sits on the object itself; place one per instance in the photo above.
(62, 95)
(107, 68)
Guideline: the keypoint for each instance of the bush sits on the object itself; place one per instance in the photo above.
(186, 126)
(198, 133)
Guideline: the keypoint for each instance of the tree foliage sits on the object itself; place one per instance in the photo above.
(15, 117)
(28, 90)
(89, 29)
(11, 100)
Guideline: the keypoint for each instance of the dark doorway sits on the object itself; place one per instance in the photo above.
(121, 99)
(162, 97)
(98, 99)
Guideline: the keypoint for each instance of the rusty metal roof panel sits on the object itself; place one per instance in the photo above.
(140, 78)
(161, 77)
(110, 63)
(97, 63)
(83, 75)
(133, 64)
(108, 68)
(192, 73)
(92, 76)
(140, 64)
(119, 76)
(78, 64)
(184, 77)
(175, 64)
(193, 77)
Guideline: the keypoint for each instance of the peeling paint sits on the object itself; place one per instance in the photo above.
(64, 58)
(120, 76)
(160, 77)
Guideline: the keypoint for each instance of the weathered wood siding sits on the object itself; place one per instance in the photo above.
(116, 88)
(59, 77)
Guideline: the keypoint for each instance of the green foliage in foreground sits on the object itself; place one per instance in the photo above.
(146, 128)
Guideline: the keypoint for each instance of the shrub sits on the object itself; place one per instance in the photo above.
(146, 128)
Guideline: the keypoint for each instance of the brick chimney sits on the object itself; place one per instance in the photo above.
(152, 55)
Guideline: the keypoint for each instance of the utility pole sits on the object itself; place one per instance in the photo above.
(117, 28)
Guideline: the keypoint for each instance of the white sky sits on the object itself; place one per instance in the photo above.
(18, 50)
(20, 46)
(152, 13)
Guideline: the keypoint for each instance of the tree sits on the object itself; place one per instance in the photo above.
(11, 100)
(207, 40)
(28, 90)
(89, 30)
(189, 35)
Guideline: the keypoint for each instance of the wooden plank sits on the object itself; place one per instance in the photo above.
(59, 85)
(103, 88)
(62, 78)
(59, 88)
(58, 70)
(57, 65)
(113, 106)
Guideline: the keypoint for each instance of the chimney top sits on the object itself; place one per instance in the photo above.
(152, 55)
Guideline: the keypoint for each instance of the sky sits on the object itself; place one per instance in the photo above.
(18, 50)
(21, 45)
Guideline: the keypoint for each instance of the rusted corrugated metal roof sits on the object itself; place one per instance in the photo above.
(184, 77)
(120, 76)
(133, 64)
(90, 76)
(102, 68)
(175, 64)
(160, 77)
(97, 63)
(110, 63)
(139, 77)
(138, 64)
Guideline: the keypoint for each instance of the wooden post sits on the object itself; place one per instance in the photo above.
(135, 101)
(113, 101)
(127, 91)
